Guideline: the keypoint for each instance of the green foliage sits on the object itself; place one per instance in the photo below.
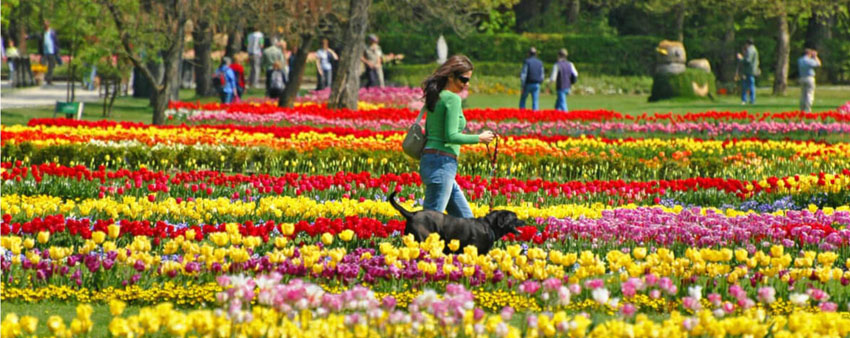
(498, 22)
(669, 86)
(628, 55)
(5, 9)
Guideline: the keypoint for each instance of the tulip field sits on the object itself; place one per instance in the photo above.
(251, 220)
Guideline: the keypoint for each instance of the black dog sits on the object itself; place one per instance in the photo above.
(481, 232)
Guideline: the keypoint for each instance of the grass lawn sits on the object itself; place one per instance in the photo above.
(827, 98)
(68, 311)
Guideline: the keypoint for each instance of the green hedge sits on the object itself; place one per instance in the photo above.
(628, 55)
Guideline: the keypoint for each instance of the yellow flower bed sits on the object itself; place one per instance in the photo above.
(164, 319)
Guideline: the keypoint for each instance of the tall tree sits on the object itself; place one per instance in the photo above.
(574, 11)
(303, 19)
(146, 28)
(346, 85)
(680, 10)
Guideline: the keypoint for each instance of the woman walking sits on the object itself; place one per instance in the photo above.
(444, 129)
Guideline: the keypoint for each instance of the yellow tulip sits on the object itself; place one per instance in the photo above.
(346, 235)
(55, 324)
(454, 245)
(287, 228)
(327, 238)
(98, 237)
(114, 230)
(116, 307)
(43, 237)
(639, 252)
(29, 243)
(29, 324)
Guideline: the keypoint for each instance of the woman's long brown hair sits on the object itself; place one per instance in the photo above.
(434, 84)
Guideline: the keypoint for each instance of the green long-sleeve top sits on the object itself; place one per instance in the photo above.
(444, 126)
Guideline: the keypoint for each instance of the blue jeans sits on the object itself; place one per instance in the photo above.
(561, 101)
(748, 84)
(89, 83)
(534, 90)
(226, 97)
(441, 191)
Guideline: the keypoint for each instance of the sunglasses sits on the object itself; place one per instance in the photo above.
(463, 79)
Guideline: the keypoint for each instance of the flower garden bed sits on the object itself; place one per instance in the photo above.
(258, 221)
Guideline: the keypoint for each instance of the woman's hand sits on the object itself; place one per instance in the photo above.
(486, 137)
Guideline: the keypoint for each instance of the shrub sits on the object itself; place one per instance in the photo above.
(666, 86)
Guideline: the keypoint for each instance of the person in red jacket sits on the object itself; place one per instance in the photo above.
(237, 68)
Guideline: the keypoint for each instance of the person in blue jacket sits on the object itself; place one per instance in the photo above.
(531, 77)
(227, 80)
(49, 51)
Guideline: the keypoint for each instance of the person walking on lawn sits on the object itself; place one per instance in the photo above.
(530, 78)
(749, 69)
(564, 74)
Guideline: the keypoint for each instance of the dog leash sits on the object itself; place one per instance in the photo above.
(493, 165)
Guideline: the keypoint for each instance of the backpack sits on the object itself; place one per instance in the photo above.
(218, 81)
(277, 80)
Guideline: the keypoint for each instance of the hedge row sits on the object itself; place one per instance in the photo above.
(628, 55)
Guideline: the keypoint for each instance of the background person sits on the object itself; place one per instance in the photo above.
(806, 65)
(276, 81)
(324, 67)
(531, 76)
(227, 80)
(50, 51)
(748, 64)
(444, 129)
(255, 54)
(239, 71)
(271, 54)
(10, 55)
(371, 58)
(564, 74)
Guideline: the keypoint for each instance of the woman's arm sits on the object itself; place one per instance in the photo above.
(453, 111)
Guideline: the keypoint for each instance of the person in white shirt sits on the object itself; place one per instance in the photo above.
(324, 65)
(255, 51)
(564, 74)
(806, 65)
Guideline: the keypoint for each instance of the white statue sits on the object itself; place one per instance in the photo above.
(442, 50)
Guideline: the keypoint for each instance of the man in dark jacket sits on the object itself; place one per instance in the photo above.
(49, 51)
(564, 74)
(531, 77)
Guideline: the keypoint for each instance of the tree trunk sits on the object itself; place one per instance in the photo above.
(680, 21)
(783, 49)
(159, 101)
(574, 11)
(525, 11)
(728, 63)
(346, 85)
(203, 61)
(105, 83)
(817, 30)
(234, 38)
(296, 74)
(171, 78)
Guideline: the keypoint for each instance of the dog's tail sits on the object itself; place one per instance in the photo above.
(398, 207)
